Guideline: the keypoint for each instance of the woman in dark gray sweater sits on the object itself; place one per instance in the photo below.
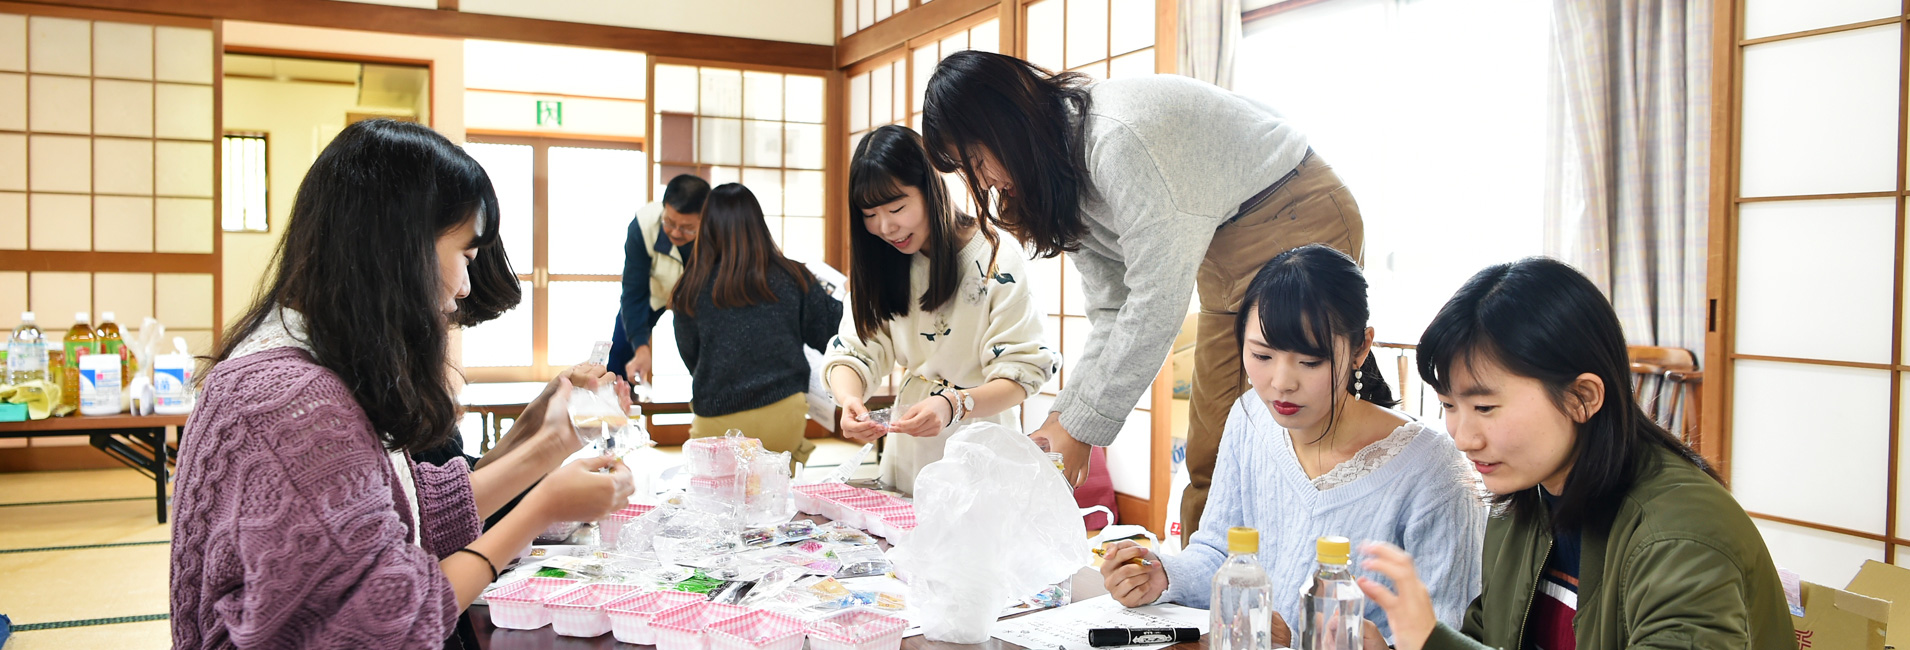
(743, 314)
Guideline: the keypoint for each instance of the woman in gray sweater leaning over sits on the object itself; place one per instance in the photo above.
(743, 314)
(1147, 183)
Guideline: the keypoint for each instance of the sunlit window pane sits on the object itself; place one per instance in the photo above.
(901, 94)
(802, 239)
(504, 341)
(763, 95)
(676, 88)
(1087, 31)
(510, 168)
(719, 141)
(1044, 34)
(802, 146)
(767, 185)
(1132, 26)
(881, 99)
(763, 143)
(1132, 65)
(954, 44)
(803, 99)
(722, 92)
(591, 206)
(925, 59)
(859, 102)
(581, 314)
(803, 192)
(986, 37)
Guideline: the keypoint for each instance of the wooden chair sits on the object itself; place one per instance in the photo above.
(1658, 373)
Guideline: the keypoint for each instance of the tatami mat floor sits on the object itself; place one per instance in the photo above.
(83, 564)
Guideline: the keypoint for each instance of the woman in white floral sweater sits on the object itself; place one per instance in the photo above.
(933, 292)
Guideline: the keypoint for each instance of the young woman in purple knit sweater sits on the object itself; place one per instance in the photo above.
(301, 520)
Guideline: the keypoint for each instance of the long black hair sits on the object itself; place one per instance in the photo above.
(734, 255)
(1308, 298)
(1541, 319)
(889, 160)
(359, 261)
(1020, 113)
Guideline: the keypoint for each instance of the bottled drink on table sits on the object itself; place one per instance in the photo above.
(111, 342)
(1333, 607)
(26, 352)
(79, 342)
(1241, 610)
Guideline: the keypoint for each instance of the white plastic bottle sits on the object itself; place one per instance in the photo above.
(99, 384)
(26, 352)
(1241, 610)
(172, 381)
(1333, 607)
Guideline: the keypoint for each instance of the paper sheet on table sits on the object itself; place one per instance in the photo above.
(1067, 628)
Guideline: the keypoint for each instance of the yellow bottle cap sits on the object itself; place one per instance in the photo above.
(1335, 550)
(1241, 539)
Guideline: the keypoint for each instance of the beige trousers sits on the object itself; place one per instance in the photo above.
(1310, 206)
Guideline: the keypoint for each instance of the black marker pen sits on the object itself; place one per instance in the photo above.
(1102, 637)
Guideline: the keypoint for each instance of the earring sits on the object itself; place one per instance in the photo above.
(1357, 384)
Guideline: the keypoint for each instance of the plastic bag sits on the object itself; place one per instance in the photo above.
(995, 522)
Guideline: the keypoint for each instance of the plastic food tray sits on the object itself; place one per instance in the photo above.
(578, 611)
(757, 630)
(682, 628)
(610, 526)
(876, 519)
(630, 615)
(899, 526)
(810, 498)
(719, 456)
(851, 508)
(857, 629)
(521, 606)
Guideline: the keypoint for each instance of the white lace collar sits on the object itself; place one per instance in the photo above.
(282, 328)
(1369, 459)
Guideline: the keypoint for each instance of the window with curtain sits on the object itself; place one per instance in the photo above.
(1433, 113)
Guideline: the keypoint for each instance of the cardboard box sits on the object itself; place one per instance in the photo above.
(1860, 616)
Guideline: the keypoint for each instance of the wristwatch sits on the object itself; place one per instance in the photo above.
(967, 402)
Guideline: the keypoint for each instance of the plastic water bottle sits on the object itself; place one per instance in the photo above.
(1333, 607)
(26, 352)
(1241, 610)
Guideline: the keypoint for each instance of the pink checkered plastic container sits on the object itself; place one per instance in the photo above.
(876, 519)
(630, 615)
(857, 629)
(682, 628)
(578, 611)
(851, 508)
(899, 526)
(757, 630)
(717, 456)
(810, 498)
(521, 606)
(608, 528)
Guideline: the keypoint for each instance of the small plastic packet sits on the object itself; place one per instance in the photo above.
(772, 585)
(858, 564)
(881, 418)
(838, 533)
(777, 535)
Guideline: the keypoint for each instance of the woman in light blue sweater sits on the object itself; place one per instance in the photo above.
(1313, 450)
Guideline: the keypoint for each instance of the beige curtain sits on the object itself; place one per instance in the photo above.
(1626, 194)
(1209, 33)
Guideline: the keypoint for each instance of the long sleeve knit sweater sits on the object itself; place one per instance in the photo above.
(1425, 500)
(749, 357)
(1169, 159)
(292, 528)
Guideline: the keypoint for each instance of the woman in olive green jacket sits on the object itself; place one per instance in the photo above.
(1613, 534)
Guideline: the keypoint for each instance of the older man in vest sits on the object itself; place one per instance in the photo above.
(654, 254)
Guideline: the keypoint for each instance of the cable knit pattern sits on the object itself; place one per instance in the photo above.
(291, 527)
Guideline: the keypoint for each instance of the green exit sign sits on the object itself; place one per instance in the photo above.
(550, 112)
